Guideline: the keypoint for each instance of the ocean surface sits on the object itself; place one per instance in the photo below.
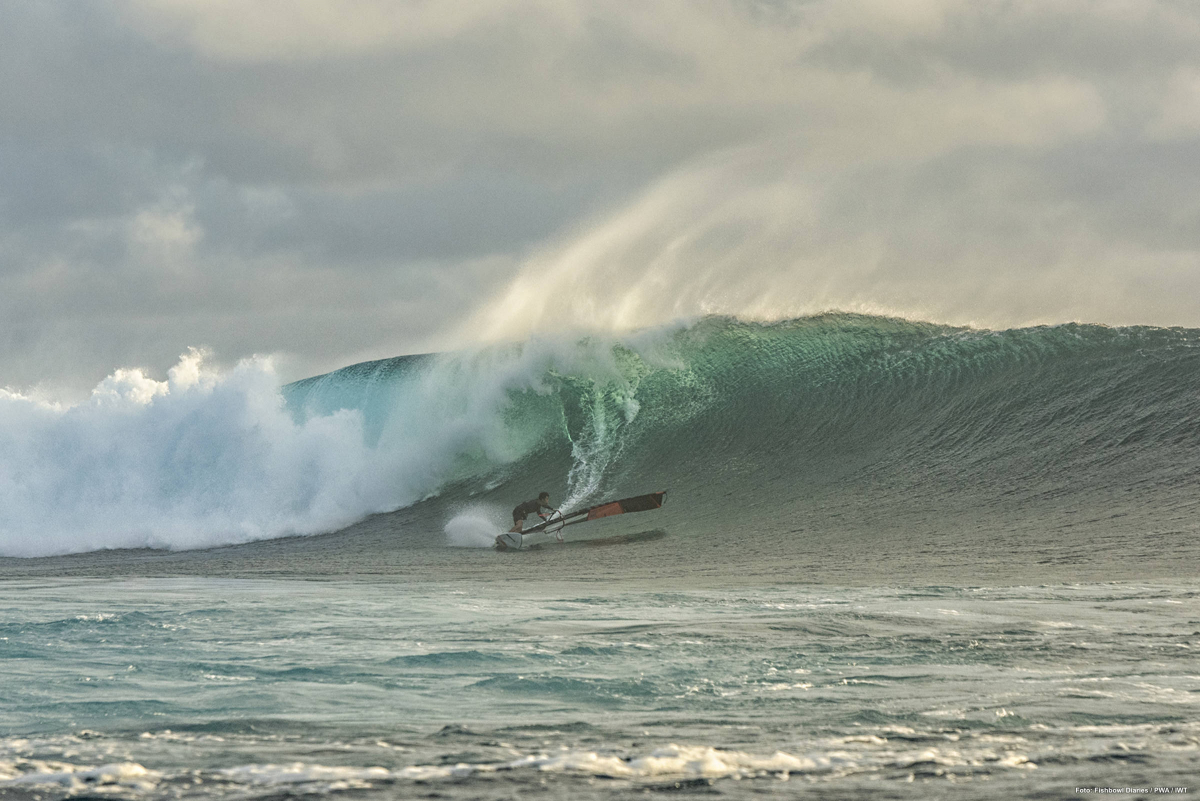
(896, 560)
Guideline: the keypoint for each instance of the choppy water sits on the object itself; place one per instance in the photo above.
(214, 688)
(896, 560)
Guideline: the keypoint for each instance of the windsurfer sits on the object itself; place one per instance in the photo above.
(525, 509)
(529, 507)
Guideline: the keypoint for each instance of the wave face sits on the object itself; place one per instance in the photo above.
(834, 421)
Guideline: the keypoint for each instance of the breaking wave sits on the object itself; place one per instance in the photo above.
(882, 416)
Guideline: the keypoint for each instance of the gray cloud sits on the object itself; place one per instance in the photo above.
(341, 181)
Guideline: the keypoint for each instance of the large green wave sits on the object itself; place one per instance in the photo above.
(836, 420)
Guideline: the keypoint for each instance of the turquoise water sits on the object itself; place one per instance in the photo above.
(896, 560)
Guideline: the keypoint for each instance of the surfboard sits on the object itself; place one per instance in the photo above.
(510, 539)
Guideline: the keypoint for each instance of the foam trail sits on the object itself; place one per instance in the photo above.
(474, 528)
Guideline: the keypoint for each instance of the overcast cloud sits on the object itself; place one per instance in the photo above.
(358, 179)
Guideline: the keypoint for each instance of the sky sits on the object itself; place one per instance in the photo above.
(340, 181)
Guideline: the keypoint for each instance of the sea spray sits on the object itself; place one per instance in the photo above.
(474, 528)
(202, 458)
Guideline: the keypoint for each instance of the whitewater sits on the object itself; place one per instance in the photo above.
(897, 558)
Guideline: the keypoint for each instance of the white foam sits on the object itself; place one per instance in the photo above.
(209, 458)
(201, 459)
(120, 774)
(300, 772)
(668, 761)
(828, 760)
(475, 528)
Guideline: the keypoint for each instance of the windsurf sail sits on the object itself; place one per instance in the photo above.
(638, 503)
